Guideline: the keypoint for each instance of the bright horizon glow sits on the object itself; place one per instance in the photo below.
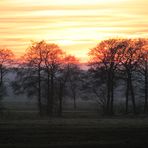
(75, 25)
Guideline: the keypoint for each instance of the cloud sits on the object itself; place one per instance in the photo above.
(79, 26)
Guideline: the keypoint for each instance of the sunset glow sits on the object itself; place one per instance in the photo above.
(75, 25)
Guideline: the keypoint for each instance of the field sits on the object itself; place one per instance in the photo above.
(25, 129)
(74, 132)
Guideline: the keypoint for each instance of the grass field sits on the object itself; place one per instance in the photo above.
(23, 128)
(74, 132)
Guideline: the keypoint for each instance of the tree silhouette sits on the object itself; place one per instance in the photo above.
(28, 77)
(47, 73)
(6, 60)
(107, 56)
(129, 62)
(143, 69)
(73, 77)
(52, 59)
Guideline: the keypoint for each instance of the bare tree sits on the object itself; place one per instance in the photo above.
(107, 56)
(29, 72)
(143, 69)
(131, 55)
(62, 80)
(52, 58)
(6, 61)
(74, 77)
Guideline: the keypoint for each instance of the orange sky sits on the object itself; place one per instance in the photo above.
(76, 25)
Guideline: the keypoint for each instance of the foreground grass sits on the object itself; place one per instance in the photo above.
(74, 132)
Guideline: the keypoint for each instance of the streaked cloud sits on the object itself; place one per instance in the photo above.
(76, 25)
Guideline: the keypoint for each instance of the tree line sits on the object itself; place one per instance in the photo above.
(50, 75)
(117, 60)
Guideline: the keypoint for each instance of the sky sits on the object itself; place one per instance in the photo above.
(75, 25)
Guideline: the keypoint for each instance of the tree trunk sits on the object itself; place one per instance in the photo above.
(1, 75)
(108, 95)
(112, 93)
(127, 96)
(74, 99)
(112, 87)
(48, 93)
(1, 86)
(132, 94)
(146, 88)
(52, 95)
(39, 92)
(60, 99)
(73, 90)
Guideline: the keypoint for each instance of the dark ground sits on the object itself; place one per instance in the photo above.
(23, 128)
(74, 132)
